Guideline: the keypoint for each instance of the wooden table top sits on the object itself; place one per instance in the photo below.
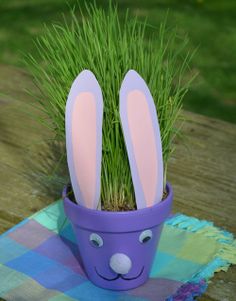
(201, 170)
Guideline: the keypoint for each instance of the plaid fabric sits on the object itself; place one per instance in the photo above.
(38, 261)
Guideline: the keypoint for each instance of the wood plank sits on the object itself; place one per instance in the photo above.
(203, 177)
(202, 169)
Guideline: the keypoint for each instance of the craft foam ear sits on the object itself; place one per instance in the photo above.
(142, 138)
(83, 122)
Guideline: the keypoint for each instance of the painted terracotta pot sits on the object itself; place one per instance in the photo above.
(117, 248)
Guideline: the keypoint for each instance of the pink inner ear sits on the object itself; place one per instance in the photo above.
(84, 145)
(143, 140)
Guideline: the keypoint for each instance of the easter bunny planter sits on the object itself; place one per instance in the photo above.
(117, 248)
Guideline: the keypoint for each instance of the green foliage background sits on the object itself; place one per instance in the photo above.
(210, 25)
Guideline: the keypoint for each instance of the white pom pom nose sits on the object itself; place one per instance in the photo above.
(120, 263)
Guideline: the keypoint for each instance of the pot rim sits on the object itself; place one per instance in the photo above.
(118, 221)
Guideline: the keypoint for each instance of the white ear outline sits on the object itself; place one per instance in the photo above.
(83, 124)
(143, 140)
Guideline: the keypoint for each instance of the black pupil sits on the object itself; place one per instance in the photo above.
(147, 238)
(95, 242)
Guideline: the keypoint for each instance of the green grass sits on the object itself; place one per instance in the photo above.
(209, 24)
(98, 40)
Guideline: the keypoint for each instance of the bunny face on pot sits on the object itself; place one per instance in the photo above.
(116, 248)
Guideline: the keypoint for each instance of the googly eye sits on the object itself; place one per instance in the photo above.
(145, 236)
(96, 240)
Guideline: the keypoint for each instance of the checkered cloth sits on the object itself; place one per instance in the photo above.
(38, 261)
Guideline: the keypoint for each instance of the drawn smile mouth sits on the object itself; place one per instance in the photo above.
(119, 276)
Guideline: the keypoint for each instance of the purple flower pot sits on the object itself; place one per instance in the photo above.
(117, 248)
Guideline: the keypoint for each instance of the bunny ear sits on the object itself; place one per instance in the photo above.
(142, 138)
(83, 122)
